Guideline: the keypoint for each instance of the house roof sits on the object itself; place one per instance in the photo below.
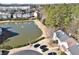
(74, 50)
(62, 35)
(15, 5)
(71, 42)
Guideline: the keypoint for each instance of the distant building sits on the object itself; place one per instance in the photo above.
(36, 14)
(66, 43)
(4, 15)
(14, 7)
(14, 16)
(26, 15)
(19, 15)
(13, 11)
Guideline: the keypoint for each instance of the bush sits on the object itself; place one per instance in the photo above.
(55, 41)
(38, 40)
(20, 46)
(63, 53)
(6, 47)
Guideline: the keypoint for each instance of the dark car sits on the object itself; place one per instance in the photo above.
(45, 49)
(52, 53)
(36, 45)
(43, 46)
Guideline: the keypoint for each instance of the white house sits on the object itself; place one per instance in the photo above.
(61, 37)
(19, 15)
(27, 15)
(14, 16)
(36, 14)
(66, 43)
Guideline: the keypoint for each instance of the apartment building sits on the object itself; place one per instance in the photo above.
(16, 11)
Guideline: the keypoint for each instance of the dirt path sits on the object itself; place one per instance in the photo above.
(43, 28)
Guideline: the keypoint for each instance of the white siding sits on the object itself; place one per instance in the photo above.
(14, 16)
(19, 15)
(35, 14)
(65, 45)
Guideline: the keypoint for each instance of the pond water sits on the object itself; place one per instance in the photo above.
(27, 52)
(19, 33)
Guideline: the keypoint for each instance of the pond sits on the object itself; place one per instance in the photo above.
(18, 34)
(27, 52)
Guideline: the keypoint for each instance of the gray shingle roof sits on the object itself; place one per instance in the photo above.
(74, 50)
(62, 36)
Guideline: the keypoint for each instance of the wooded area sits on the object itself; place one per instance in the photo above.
(59, 15)
(63, 16)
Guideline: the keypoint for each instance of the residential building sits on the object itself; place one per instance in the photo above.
(66, 43)
(16, 11)
(4, 15)
(74, 50)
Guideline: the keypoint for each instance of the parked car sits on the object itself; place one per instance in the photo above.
(45, 49)
(36, 45)
(52, 53)
(43, 46)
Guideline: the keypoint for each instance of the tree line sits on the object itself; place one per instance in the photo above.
(60, 15)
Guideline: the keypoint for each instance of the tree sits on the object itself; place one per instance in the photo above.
(58, 15)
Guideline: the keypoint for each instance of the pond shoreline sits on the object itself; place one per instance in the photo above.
(14, 21)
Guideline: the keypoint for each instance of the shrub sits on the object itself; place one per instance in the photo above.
(39, 39)
(55, 41)
(20, 46)
(6, 47)
(63, 53)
